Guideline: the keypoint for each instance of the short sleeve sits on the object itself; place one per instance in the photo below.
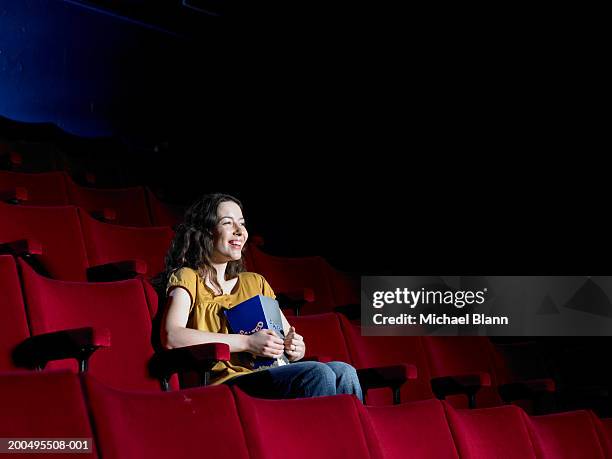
(186, 278)
(266, 290)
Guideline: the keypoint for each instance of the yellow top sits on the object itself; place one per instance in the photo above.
(206, 311)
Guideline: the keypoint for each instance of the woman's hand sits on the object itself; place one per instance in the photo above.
(266, 343)
(295, 347)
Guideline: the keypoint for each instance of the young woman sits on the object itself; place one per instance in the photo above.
(205, 275)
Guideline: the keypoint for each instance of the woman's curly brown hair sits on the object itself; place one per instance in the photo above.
(192, 246)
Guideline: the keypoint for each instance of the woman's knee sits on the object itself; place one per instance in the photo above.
(342, 369)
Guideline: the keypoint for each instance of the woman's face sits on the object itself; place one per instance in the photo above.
(230, 234)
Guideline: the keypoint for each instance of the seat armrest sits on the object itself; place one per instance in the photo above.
(391, 376)
(350, 311)
(526, 390)
(200, 358)
(119, 270)
(468, 384)
(106, 215)
(317, 358)
(78, 343)
(295, 299)
(14, 196)
(21, 247)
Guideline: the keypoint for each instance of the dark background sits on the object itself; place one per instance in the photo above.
(391, 141)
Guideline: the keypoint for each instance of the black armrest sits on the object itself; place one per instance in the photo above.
(468, 385)
(14, 196)
(22, 247)
(526, 390)
(351, 311)
(392, 376)
(295, 299)
(119, 270)
(106, 215)
(199, 358)
(316, 358)
(77, 343)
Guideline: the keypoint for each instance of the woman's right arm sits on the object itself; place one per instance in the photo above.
(176, 334)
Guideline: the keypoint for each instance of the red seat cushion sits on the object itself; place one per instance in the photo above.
(200, 422)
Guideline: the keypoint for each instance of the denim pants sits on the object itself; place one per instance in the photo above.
(301, 379)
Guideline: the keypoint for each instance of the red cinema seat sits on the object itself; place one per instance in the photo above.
(193, 423)
(566, 435)
(467, 360)
(379, 351)
(44, 405)
(417, 429)
(54, 231)
(163, 214)
(328, 427)
(604, 429)
(323, 336)
(290, 275)
(487, 433)
(326, 342)
(107, 243)
(13, 326)
(123, 206)
(120, 307)
(44, 189)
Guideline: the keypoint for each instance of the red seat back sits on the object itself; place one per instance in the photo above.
(44, 189)
(107, 243)
(566, 435)
(56, 228)
(322, 335)
(162, 214)
(43, 405)
(291, 274)
(498, 432)
(129, 204)
(120, 307)
(328, 427)
(461, 355)
(200, 422)
(416, 429)
(377, 351)
(13, 326)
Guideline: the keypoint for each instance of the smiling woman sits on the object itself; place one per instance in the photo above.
(205, 276)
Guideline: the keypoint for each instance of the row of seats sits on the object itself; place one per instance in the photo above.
(72, 243)
(472, 363)
(119, 313)
(134, 206)
(219, 422)
(35, 305)
(66, 241)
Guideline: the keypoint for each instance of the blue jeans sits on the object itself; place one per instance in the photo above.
(301, 379)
